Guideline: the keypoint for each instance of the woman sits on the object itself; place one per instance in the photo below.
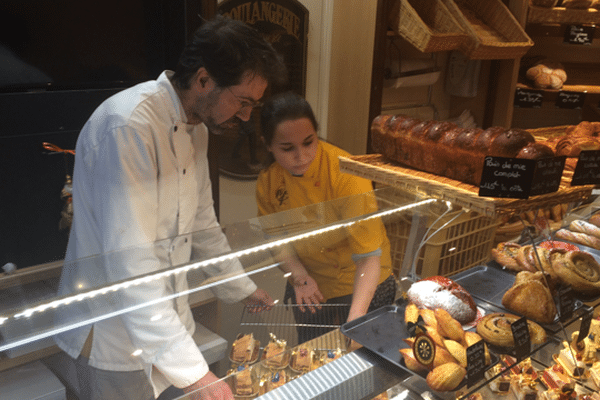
(352, 267)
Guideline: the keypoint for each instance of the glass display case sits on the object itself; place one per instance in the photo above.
(146, 287)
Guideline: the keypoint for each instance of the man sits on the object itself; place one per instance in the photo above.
(142, 199)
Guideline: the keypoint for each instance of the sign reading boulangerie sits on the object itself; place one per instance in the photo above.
(284, 24)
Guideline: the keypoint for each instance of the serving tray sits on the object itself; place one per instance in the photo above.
(382, 331)
(488, 283)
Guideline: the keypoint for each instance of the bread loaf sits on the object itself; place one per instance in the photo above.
(443, 148)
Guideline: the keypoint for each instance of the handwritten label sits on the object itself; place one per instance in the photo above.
(506, 177)
(520, 331)
(579, 34)
(528, 98)
(547, 175)
(587, 170)
(475, 363)
(570, 100)
(586, 323)
(566, 303)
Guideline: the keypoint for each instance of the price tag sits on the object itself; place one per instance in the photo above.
(566, 303)
(579, 34)
(506, 177)
(570, 100)
(586, 323)
(587, 170)
(547, 175)
(520, 331)
(475, 363)
(528, 98)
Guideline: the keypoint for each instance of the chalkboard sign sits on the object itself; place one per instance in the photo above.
(475, 363)
(586, 323)
(587, 170)
(579, 34)
(520, 331)
(506, 177)
(566, 303)
(570, 100)
(547, 175)
(528, 98)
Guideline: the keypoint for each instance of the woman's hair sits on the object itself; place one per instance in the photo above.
(284, 107)
(227, 49)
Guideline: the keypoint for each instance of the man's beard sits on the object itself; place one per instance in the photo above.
(231, 125)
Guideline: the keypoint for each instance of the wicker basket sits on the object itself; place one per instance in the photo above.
(561, 15)
(462, 240)
(427, 25)
(494, 31)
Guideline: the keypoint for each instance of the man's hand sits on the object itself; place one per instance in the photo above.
(258, 301)
(216, 389)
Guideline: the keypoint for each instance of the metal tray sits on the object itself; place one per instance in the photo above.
(382, 331)
(488, 284)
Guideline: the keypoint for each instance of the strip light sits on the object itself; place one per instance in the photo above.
(29, 312)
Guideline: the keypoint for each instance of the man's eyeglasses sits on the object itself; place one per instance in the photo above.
(245, 102)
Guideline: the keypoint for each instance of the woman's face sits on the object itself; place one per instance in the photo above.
(294, 145)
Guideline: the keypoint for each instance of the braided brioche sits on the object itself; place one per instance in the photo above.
(445, 149)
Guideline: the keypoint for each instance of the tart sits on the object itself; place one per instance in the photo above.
(276, 354)
(245, 349)
(302, 359)
(575, 357)
(500, 385)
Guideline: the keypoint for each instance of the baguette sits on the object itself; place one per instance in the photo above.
(445, 149)
(579, 238)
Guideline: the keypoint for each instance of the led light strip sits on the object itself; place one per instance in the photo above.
(164, 274)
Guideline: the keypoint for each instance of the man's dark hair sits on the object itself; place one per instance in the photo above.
(227, 49)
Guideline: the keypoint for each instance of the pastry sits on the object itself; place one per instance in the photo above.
(501, 384)
(243, 381)
(473, 337)
(279, 378)
(579, 225)
(495, 329)
(523, 388)
(244, 349)
(441, 292)
(576, 357)
(445, 149)
(547, 75)
(458, 351)
(275, 353)
(505, 254)
(595, 373)
(555, 378)
(557, 245)
(532, 259)
(331, 355)
(449, 327)
(579, 238)
(303, 358)
(531, 297)
(411, 362)
(595, 219)
(580, 270)
(446, 377)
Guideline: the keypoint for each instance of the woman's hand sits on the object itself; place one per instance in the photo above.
(307, 292)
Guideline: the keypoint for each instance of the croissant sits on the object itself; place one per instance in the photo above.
(529, 296)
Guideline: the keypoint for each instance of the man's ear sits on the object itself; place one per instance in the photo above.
(201, 78)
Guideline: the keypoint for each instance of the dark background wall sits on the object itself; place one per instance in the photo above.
(88, 52)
